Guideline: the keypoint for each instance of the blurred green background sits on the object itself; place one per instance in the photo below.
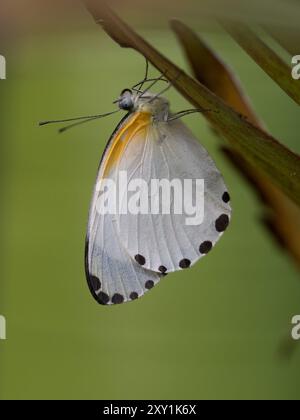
(220, 330)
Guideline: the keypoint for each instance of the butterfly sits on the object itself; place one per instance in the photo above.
(130, 249)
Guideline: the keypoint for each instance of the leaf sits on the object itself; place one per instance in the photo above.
(212, 72)
(265, 57)
(282, 217)
(288, 39)
(255, 145)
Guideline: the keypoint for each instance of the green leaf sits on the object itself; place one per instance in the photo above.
(212, 72)
(255, 145)
(289, 38)
(265, 57)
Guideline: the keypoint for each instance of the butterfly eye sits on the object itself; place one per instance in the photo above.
(126, 100)
(126, 91)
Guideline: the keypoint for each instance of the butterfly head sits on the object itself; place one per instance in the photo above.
(127, 100)
(149, 103)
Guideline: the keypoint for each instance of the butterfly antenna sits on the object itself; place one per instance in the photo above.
(161, 77)
(161, 93)
(188, 112)
(170, 84)
(80, 120)
(139, 86)
(68, 127)
(156, 79)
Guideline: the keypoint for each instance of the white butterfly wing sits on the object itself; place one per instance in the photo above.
(113, 277)
(165, 242)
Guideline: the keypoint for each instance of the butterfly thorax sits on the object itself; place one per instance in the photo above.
(158, 107)
(146, 102)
